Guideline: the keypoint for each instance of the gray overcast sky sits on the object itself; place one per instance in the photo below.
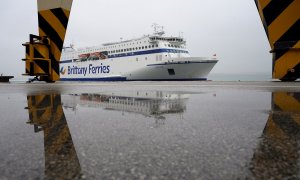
(231, 29)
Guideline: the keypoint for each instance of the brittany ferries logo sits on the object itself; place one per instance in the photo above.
(63, 71)
(90, 69)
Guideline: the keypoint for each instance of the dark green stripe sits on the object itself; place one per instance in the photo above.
(287, 124)
(61, 16)
(57, 101)
(27, 50)
(37, 54)
(46, 102)
(54, 64)
(279, 54)
(295, 75)
(274, 9)
(40, 113)
(50, 32)
(292, 35)
(44, 65)
(288, 40)
(296, 95)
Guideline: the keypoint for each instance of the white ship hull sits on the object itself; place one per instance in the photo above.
(152, 57)
(184, 69)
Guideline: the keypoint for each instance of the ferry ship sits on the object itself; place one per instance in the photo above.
(154, 57)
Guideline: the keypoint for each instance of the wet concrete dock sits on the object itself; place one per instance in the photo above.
(150, 130)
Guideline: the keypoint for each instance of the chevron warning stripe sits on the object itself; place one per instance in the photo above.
(281, 19)
(43, 59)
(277, 154)
(46, 114)
(37, 57)
(53, 21)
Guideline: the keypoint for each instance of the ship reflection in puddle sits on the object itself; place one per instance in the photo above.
(46, 115)
(277, 154)
(154, 104)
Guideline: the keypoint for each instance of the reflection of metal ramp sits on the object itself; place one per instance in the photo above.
(46, 114)
(277, 153)
(281, 19)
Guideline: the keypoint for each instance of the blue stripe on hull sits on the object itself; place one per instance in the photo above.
(67, 61)
(184, 63)
(124, 79)
(95, 79)
(188, 79)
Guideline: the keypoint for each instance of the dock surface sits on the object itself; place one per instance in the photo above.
(150, 130)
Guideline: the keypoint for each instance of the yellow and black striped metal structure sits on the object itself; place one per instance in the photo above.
(53, 18)
(47, 115)
(276, 156)
(37, 59)
(281, 20)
